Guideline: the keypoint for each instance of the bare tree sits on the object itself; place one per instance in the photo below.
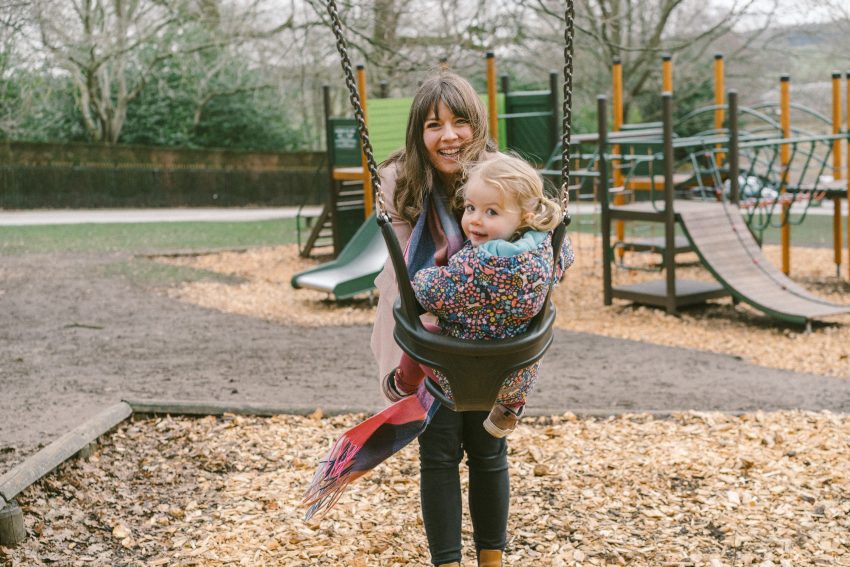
(111, 48)
(638, 32)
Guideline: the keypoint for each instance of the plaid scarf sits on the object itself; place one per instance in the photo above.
(435, 237)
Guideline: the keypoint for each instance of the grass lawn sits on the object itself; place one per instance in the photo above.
(815, 231)
(145, 237)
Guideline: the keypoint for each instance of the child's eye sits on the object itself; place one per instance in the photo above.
(492, 212)
(469, 208)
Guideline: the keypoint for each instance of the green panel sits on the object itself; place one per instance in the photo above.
(344, 142)
(529, 101)
(500, 110)
(388, 125)
(530, 136)
(348, 221)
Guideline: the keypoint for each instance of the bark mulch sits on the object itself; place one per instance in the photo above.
(719, 326)
(766, 489)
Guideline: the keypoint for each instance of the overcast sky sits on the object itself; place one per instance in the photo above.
(789, 12)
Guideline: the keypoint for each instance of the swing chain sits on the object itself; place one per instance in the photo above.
(354, 97)
(569, 34)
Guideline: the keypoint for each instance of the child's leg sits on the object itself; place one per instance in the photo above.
(410, 373)
(503, 419)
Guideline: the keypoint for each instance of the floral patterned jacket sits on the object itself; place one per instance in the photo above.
(492, 292)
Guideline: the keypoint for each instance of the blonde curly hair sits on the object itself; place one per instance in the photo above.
(514, 178)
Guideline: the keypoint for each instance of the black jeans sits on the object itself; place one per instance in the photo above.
(441, 449)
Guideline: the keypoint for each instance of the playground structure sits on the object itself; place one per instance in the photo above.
(524, 121)
(818, 179)
(784, 170)
(780, 169)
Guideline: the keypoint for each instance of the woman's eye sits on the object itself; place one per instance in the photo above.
(431, 125)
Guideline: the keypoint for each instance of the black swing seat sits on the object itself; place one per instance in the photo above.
(475, 370)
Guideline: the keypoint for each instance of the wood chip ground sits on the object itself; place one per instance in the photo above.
(693, 490)
(768, 489)
(719, 326)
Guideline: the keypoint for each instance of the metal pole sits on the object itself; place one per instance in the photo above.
(331, 151)
(785, 158)
(492, 109)
(385, 89)
(734, 167)
(836, 170)
(669, 213)
(602, 126)
(554, 84)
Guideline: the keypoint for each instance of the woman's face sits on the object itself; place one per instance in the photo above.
(445, 135)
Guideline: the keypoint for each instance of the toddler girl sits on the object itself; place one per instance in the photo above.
(497, 282)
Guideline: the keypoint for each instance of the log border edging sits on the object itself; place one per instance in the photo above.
(78, 439)
(46, 460)
(65, 447)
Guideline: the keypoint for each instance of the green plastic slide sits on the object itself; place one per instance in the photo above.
(354, 270)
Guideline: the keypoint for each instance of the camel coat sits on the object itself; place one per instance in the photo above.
(387, 353)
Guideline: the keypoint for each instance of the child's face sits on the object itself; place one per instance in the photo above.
(487, 214)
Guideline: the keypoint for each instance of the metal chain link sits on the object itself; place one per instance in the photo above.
(354, 97)
(569, 34)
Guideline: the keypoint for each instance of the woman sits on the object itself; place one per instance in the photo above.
(446, 128)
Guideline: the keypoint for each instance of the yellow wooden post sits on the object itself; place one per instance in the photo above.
(367, 176)
(785, 158)
(719, 97)
(836, 170)
(492, 109)
(667, 73)
(617, 124)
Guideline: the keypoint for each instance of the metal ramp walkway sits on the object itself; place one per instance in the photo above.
(726, 247)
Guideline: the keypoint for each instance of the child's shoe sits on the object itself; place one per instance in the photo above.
(502, 420)
(390, 388)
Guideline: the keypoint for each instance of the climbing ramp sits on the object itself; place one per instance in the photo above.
(726, 247)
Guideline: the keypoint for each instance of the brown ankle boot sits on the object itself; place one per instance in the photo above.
(490, 558)
(455, 564)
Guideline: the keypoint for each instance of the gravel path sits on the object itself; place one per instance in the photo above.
(78, 334)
